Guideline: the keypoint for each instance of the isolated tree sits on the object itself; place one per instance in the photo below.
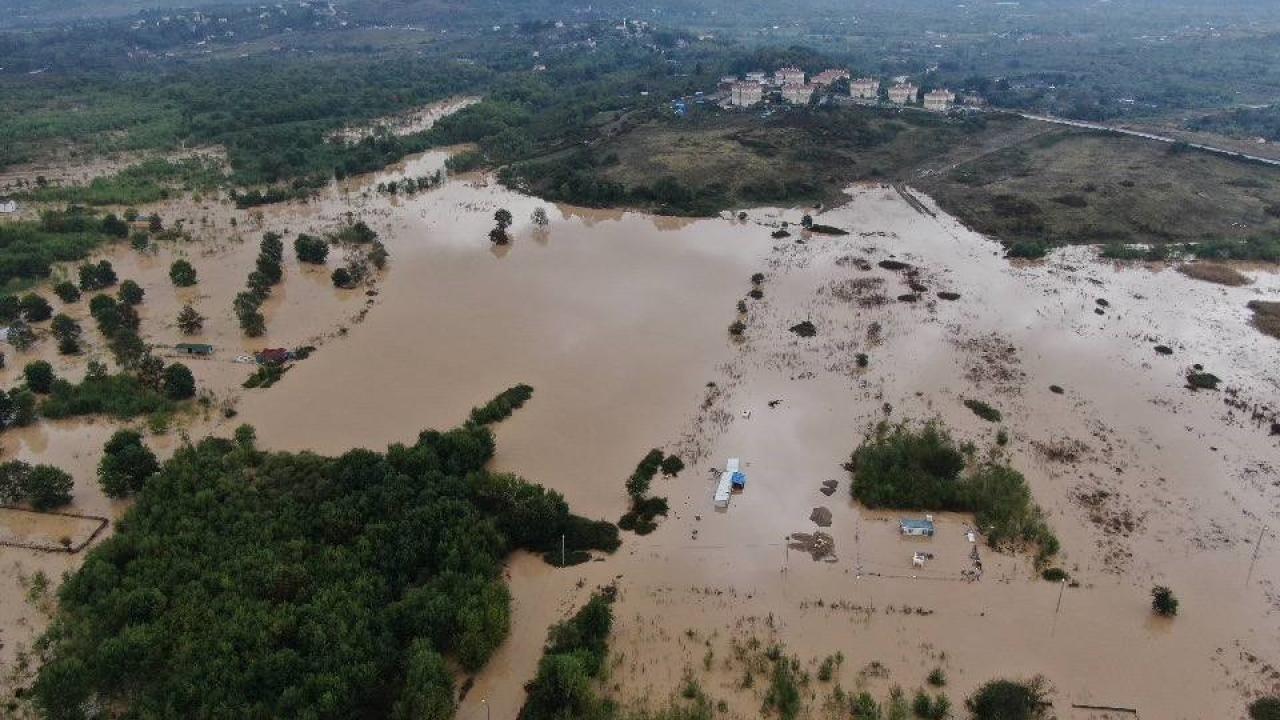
(502, 218)
(342, 278)
(67, 292)
(21, 336)
(126, 464)
(1163, 601)
(48, 487)
(154, 224)
(672, 465)
(182, 273)
(190, 322)
(39, 376)
(130, 293)
(311, 249)
(35, 308)
(13, 481)
(539, 217)
(179, 383)
(806, 221)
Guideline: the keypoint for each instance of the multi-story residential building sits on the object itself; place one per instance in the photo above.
(903, 94)
(797, 93)
(865, 88)
(939, 99)
(788, 76)
(745, 94)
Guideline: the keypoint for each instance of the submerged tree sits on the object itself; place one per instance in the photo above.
(190, 322)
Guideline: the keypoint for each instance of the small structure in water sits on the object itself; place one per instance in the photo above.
(273, 356)
(918, 528)
(198, 349)
(730, 480)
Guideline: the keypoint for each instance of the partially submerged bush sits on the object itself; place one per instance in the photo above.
(983, 410)
(1010, 700)
(804, 329)
(1198, 380)
(1163, 601)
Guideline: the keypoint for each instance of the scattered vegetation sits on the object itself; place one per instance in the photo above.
(1266, 316)
(804, 329)
(575, 656)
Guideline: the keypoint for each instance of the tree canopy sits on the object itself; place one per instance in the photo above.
(270, 584)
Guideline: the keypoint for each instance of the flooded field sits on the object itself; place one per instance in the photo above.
(619, 321)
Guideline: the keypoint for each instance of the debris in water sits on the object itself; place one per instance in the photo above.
(821, 516)
(819, 545)
(804, 329)
(829, 487)
(948, 295)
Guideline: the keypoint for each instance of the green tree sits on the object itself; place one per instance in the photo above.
(539, 217)
(311, 249)
(179, 383)
(23, 404)
(190, 322)
(39, 376)
(35, 308)
(67, 292)
(48, 487)
(13, 481)
(126, 464)
(130, 293)
(182, 273)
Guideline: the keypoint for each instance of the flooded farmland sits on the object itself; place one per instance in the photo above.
(619, 321)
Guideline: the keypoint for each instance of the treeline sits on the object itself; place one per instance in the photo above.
(296, 585)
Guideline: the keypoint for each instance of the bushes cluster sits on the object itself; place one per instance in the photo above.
(501, 407)
(96, 277)
(574, 658)
(67, 332)
(365, 570)
(903, 468)
(983, 410)
(1010, 700)
(1163, 601)
(641, 518)
(154, 388)
(44, 487)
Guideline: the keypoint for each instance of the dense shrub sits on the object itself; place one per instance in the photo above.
(121, 396)
(43, 486)
(1010, 700)
(178, 382)
(130, 293)
(1265, 708)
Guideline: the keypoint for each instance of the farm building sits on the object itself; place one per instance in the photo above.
(923, 528)
(273, 356)
(200, 349)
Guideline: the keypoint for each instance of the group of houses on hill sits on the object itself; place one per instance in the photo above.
(790, 84)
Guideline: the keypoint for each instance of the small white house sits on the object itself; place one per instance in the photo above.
(8, 207)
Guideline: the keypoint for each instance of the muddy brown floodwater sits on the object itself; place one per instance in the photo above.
(619, 322)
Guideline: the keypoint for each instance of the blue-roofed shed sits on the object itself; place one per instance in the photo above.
(908, 526)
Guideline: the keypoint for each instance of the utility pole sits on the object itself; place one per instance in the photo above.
(1061, 589)
(561, 552)
(485, 703)
(1256, 548)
